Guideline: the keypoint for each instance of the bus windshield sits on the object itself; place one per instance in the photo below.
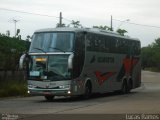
(52, 67)
(52, 42)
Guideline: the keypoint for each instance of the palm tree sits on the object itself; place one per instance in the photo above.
(75, 24)
(102, 27)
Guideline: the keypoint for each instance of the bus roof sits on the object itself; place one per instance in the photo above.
(90, 30)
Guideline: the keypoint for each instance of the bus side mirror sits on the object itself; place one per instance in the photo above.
(22, 62)
(70, 61)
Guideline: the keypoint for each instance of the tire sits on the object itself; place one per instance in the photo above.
(130, 86)
(49, 97)
(88, 91)
(124, 89)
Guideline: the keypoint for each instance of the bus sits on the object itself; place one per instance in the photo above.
(80, 62)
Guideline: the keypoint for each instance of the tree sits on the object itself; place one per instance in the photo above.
(18, 31)
(62, 25)
(27, 44)
(121, 31)
(156, 52)
(10, 51)
(156, 44)
(75, 24)
(151, 55)
(103, 27)
(8, 33)
(147, 57)
(28, 38)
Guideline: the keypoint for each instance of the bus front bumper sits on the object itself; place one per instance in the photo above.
(55, 92)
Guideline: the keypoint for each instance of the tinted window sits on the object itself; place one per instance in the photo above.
(111, 44)
(79, 55)
(52, 42)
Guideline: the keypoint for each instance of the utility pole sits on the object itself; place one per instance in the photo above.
(15, 22)
(111, 24)
(60, 19)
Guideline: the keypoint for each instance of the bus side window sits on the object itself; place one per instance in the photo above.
(95, 39)
(107, 44)
(79, 54)
(136, 48)
(113, 45)
(102, 44)
(90, 42)
(99, 43)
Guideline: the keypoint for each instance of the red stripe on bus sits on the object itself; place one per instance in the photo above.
(129, 64)
(103, 76)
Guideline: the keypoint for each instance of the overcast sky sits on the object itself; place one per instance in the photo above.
(88, 12)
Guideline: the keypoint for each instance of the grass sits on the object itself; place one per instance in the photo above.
(153, 69)
(13, 88)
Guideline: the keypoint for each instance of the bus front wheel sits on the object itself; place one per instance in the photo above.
(88, 91)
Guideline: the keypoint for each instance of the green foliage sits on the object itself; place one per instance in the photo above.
(10, 51)
(151, 55)
(13, 88)
(103, 27)
(62, 25)
(75, 24)
(121, 31)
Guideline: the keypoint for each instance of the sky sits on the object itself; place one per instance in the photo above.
(90, 13)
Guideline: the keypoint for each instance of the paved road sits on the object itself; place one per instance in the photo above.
(145, 99)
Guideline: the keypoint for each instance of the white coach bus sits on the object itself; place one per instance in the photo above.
(74, 61)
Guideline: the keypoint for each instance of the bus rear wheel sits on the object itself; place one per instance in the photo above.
(124, 89)
(49, 97)
(130, 85)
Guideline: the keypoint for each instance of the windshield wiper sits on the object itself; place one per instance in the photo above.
(54, 74)
(40, 49)
(57, 49)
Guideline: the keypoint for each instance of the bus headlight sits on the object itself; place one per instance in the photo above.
(69, 92)
(64, 86)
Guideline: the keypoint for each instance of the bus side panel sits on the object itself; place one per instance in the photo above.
(136, 75)
(102, 69)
